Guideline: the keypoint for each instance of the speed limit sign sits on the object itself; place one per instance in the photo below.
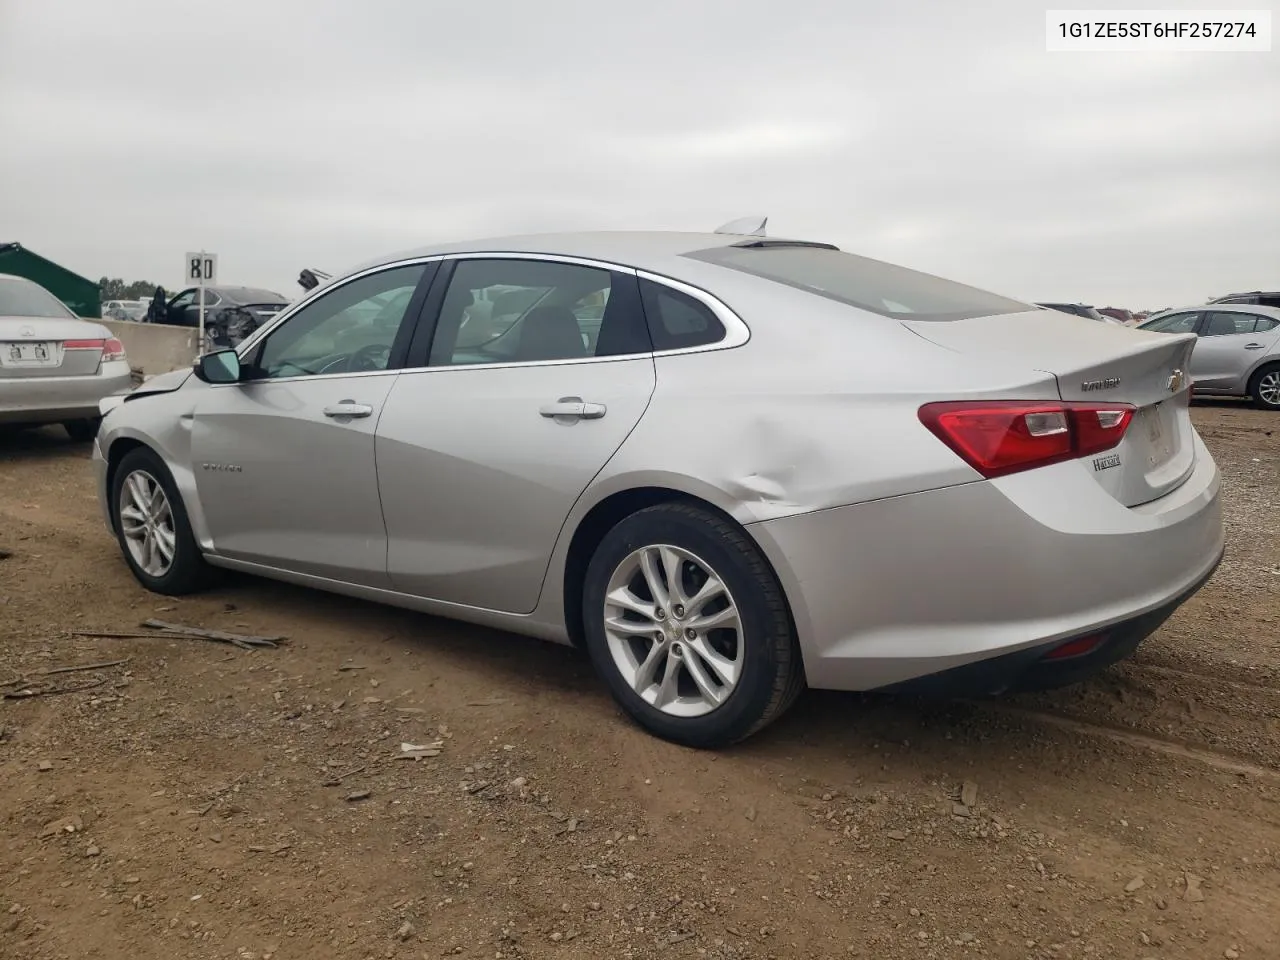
(201, 269)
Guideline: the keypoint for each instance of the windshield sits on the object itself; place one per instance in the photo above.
(22, 298)
(873, 285)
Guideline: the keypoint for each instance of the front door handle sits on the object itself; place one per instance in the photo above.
(1254, 346)
(573, 408)
(348, 409)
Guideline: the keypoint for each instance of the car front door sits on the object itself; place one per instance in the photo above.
(502, 421)
(1230, 344)
(284, 460)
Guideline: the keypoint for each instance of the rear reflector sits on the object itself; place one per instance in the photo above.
(1076, 648)
(999, 437)
(82, 344)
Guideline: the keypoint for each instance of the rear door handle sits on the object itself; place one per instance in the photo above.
(1254, 346)
(348, 409)
(574, 408)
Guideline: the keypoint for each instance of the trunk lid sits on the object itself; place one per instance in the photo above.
(33, 347)
(1099, 363)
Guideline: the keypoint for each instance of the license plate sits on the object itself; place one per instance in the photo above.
(1159, 441)
(36, 354)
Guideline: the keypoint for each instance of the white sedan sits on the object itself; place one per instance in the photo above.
(54, 367)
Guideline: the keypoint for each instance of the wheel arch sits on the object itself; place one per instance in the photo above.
(608, 512)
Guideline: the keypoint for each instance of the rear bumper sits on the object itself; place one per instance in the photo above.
(907, 587)
(53, 399)
(1037, 669)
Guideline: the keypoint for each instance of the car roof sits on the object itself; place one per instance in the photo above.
(660, 251)
(248, 294)
(1257, 308)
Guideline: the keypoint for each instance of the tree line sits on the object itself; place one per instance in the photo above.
(113, 288)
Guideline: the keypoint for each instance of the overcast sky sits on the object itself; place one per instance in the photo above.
(939, 135)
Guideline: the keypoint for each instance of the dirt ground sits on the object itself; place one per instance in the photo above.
(204, 801)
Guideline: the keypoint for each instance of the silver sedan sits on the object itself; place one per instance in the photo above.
(727, 466)
(1238, 353)
(54, 367)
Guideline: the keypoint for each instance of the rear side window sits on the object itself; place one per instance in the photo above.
(873, 285)
(1263, 324)
(676, 320)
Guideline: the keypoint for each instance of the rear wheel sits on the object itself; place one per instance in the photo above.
(1264, 388)
(152, 527)
(82, 431)
(689, 627)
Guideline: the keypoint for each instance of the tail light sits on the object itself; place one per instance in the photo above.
(112, 349)
(999, 437)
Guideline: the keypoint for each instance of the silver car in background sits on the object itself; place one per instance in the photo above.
(1238, 351)
(54, 367)
(728, 466)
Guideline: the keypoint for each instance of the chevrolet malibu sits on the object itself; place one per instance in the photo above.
(54, 367)
(727, 466)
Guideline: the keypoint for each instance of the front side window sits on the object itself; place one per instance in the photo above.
(1174, 323)
(872, 285)
(529, 311)
(350, 329)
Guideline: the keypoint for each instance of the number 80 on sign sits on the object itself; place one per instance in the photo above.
(201, 268)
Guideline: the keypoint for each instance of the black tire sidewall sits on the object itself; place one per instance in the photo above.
(185, 573)
(750, 699)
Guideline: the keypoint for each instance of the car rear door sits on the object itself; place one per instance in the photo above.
(1231, 343)
(498, 425)
(284, 461)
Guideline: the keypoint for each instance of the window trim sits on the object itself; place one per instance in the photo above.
(413, 316)
(737, 332)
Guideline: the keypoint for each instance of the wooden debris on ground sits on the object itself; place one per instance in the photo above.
(161, 629)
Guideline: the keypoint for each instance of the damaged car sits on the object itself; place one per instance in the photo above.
(728, 466)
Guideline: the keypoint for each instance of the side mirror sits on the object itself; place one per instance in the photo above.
(221, 366)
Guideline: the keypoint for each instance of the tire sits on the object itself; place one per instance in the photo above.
(82, 431)
(1266, 383)
(763, 648)
(186, 571)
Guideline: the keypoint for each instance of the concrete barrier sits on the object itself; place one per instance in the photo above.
(154, 348)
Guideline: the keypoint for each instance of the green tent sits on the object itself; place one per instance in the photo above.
(81, 295)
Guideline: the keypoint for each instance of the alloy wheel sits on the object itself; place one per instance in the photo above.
(146, 520)
(1269, 388)
(673, 630)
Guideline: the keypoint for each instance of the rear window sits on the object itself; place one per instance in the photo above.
(22, 298)
(873, 285)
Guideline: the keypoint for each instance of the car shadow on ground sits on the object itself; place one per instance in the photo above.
(32, 444)
(823, 724)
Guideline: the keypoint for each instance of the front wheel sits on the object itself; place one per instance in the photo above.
(688, 626)
(152, 527)
(1264, 388)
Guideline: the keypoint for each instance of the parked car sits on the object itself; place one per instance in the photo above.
(1263, 298)
(230, 313)
(1079, 310)
(1238, 353)
(766, 463)
(54, 367)
(132, 310)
